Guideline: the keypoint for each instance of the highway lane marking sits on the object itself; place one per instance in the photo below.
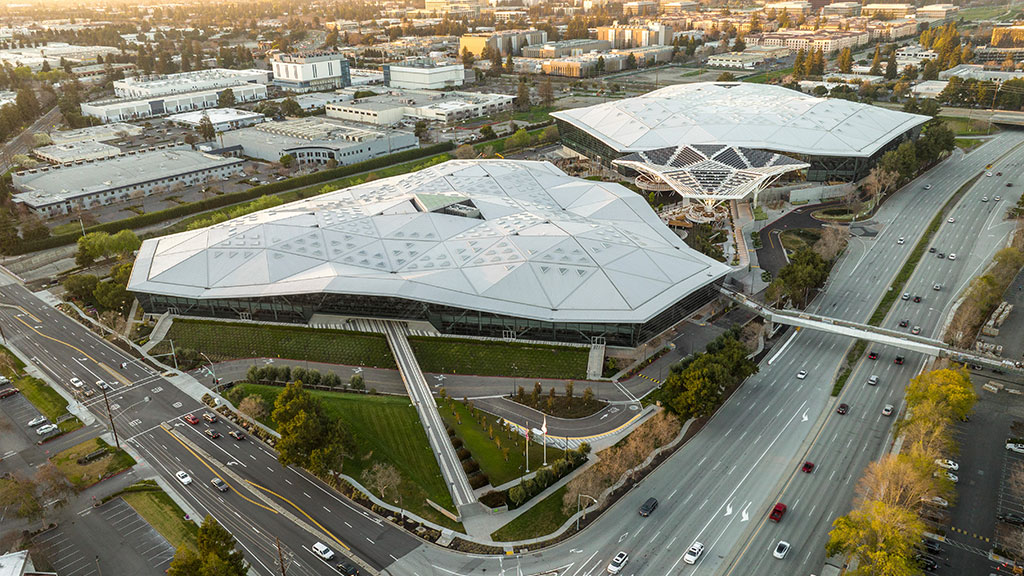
(669, 547)
(215, 473)
(673, 493)
(305, 494)
(653, 538)
(301, 511)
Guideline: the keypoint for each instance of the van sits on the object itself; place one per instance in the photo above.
(323, 551)
(873, 381)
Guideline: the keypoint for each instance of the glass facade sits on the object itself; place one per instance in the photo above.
(446, 319)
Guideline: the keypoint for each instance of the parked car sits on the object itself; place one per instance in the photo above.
(947, 464)
(46, 429)
(8, 392)
(936, 501)
(36, 421)
(1015, 519)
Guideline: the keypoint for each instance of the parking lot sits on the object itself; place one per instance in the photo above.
(150, 546)
(18, 410)
(64, 556)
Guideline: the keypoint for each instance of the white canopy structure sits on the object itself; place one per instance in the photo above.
(512, 238)
(759, 116)
(708, 173)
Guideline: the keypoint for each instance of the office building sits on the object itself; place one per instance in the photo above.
(316, 140)
(310, 71)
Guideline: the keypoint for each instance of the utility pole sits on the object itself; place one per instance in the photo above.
(280, 557)
(110, 417)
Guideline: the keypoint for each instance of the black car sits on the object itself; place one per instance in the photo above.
(1014, 519)
(348, 569)
(931, 546)
(904, 323)
(648, 506)
(212, 433)
(931, 250)
(926, 562)
(917, 299)
(898, 360)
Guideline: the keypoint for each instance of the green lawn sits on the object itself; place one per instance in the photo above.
(47, 401)
(968, 144)
(84, 475)
(10, 365)
(544, 518)
(534, 115)
(985, 12)
(488, 358)
(226, 340)
(968, 126)
(765, 77)
(797, 238)
(157, 508)
(486, 452)
(387, 429)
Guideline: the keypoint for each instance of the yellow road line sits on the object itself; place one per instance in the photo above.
(215, 472)
(23, 311)
(102, 365)
(303, 512)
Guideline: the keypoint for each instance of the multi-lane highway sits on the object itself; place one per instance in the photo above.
(717, 489)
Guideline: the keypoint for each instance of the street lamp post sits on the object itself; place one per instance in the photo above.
(579, 498)
(212, 371)
(515, 379)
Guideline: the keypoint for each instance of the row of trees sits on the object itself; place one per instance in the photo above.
(896, 495)
(110, 294)
(985, 293)
(99, 245)
(311, 377)
(695, 385)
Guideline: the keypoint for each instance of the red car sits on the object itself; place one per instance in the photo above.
(8, 392)
(843, 409)
(807, 467)
(873, 356)
(191, 419)
(777, 512)
(898, 360)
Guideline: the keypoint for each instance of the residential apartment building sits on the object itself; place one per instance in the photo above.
(636, 35)
(310, 71)
(504, 42)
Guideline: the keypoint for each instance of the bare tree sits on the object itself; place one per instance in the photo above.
(53, 486)
(465, 152)
(832, 242)
(381, 477)
(254, 407)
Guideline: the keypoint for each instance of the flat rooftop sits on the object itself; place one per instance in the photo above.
(42, 187)
(100, 133)
(216, 115)
(72, 151)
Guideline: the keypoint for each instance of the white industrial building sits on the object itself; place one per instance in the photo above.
(222, 118)
(75, 152)
(424, 74)
(119, 109)
(500, 248)
(51, 53)
(310, 71)
(101, 133)
(53, 191)
(217, 79)
(316, 140)
(392, 107)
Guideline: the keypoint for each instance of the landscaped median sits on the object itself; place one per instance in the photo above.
(91, 462)
(490, 358)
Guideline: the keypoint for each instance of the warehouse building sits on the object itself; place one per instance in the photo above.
(316, 140)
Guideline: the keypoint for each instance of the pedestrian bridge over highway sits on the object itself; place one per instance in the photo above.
(870, 333)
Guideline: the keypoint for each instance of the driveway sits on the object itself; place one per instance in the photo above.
(771, 256)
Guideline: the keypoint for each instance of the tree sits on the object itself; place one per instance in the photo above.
(226, 98)
(420, 129)
(798, 64)
(510, 65)
(380, 478)
(301, 423)
(254, 407)
(899, 481)
(123, 243)
(599, 67)
(588, 396)
(291, 107)
(630, 61)
(876, 63)
(81, 286)
(465, 152)
(216, 554)
(891, 68)
(806, 271)
(549, 134)
(521, 139)
(206, 130)
(949, 386)
(523, 97)
(845, 60)
(487, 132)
(467, 58)
(18, 495)
(356, 382)
(111, 295)
(546, 93)
(882, 538)
(739, 45)
(286, 160)
(832, 242)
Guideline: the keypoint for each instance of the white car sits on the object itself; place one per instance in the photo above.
(1015, 447)
(947, 464)
(949, 475)
(950, 219)
(615, 566)
(801, 375)
(693, 553)
(998, 198)
(323, 551)
(952, 256)
(781, 549)
(935, 500)
(989, 174)
(77, 383)
(901, 240)
(102, 385)
(887, 411)
(984, 198)
(927, 186)
(183, 477)
(36, 421)
(46, 429)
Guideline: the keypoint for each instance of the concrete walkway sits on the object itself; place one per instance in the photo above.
(419, 391)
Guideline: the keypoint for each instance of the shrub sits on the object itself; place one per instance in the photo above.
(456, 441)
(469, 466)
(462, 453)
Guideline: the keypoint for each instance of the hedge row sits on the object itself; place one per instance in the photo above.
(233, 198)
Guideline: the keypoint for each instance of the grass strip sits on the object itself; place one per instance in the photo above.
(898, 283)
(489, 358)
(542, 519)
(166, 517)
(82, 476)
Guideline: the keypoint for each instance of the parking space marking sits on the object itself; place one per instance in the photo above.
(139, 534)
